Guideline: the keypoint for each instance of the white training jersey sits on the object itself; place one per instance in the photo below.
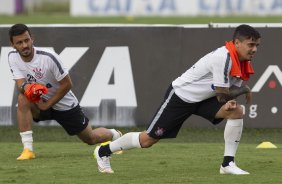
(45, 68)
(198, 82)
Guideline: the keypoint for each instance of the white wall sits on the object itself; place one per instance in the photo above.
(174, 7)
(7, 7)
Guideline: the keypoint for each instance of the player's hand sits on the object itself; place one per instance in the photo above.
(230, 105)
(34, 91)
(43, 105)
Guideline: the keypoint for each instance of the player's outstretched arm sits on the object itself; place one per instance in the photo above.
(238, 91)
(225, 94)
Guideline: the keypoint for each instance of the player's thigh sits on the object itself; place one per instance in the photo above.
(170, 117)
(40, 115)
(73, 121)
(208, 109)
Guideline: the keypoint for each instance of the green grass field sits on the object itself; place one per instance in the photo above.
(194, 157)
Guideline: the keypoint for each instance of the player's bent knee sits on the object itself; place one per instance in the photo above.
(146, 144)
(237, 113)
(88, 138)
(146, 141)
(22, 101)
(240, 110)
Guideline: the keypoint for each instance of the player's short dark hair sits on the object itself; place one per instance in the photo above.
(18, 29)
(244, 31)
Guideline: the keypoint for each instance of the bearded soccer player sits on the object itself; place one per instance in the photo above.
(208, 89)
(45, 93)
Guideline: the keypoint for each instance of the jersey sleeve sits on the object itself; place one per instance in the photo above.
(58, 69)
(220, 68)
(16, 72)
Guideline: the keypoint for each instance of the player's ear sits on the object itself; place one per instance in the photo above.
(236, 42)
(32, 39)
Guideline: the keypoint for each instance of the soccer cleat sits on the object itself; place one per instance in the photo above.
(232, 169)
(27, 154)
(104, 165)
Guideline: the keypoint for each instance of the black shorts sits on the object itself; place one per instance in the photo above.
(174, 111)
(73, 120)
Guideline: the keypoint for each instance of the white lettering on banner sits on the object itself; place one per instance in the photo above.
(112, 79)
(6, 95)
(252, 111)
(175, 7)
(271, 69)
(69, 56)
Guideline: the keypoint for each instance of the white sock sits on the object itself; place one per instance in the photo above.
(27, 139)
(126, 142)
(232, 135)
(115, 133)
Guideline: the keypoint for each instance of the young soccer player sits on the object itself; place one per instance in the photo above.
(208, 89)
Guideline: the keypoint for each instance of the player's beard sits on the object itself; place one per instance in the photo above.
(26, 52)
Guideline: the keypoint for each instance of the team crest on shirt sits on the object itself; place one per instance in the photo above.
(159, 132)
(37, 73)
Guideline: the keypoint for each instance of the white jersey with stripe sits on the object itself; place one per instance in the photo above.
(45, 68)
(198, 82)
